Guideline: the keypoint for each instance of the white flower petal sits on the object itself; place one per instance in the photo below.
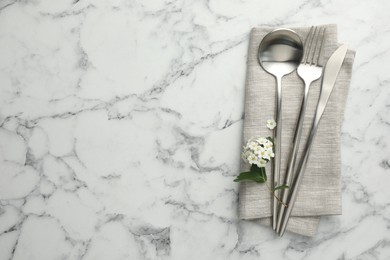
(271, 124)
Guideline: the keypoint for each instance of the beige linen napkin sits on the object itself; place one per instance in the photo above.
(320, 191)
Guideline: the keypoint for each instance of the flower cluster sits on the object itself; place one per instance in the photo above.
(258, 151)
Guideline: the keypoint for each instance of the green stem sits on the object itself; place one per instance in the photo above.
(273, 193)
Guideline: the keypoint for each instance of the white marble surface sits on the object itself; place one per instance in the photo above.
(120, 126)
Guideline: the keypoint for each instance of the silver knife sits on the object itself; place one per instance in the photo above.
(332, 69)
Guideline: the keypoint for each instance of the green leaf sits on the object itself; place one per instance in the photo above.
(263, 174)
(255, 174)
(255, 168)
(250, 176)
(284, 186)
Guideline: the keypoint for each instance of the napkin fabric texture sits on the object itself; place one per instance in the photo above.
(320, 191)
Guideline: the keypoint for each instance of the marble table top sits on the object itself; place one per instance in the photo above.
(121, 123)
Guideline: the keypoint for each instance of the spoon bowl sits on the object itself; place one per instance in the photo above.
(280, 53)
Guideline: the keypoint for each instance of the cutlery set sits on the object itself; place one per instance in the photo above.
(280, 53)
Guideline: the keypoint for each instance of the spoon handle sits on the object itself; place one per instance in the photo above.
(278, 145)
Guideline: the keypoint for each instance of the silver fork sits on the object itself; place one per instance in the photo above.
(309, 71)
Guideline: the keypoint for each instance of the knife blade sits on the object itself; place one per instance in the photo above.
(331, 71)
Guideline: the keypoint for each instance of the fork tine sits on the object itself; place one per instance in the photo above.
(306, 51)
(321, 41)
(310, 51)
(313, 46)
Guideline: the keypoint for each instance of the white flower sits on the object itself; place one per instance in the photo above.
(270, 154)
(245, 154)
(271, 124)
(258, 149)
(263, 153)
(268, 145)
(261, 163)
(261, 140)
(252, 158)
(252, 145)
(266, 156)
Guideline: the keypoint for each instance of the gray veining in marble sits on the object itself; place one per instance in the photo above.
(120, 128)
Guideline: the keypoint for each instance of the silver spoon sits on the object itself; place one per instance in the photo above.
(280, 53)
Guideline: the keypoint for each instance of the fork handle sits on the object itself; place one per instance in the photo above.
(293, 155)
